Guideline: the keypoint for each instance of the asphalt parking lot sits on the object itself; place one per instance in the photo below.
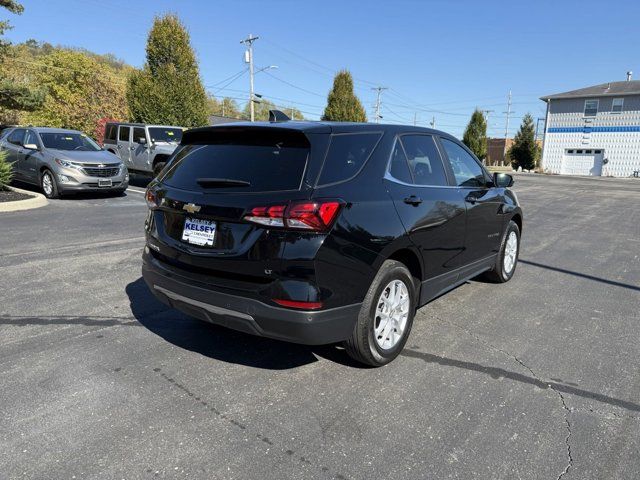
(537, 378)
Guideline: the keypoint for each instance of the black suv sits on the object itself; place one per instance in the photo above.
(319, 232)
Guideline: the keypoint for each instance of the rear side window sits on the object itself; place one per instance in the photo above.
(110, 132)
(267, 164)
(138, 133)
(347, 155)
(424, 160)
(123, 134)
(16, 136)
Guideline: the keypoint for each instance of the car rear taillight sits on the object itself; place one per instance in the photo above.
(316, 215)
(151, 198)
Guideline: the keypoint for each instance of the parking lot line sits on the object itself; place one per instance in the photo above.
(136, 190)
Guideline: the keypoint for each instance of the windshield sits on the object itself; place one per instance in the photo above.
(69, 141)
(159, 134)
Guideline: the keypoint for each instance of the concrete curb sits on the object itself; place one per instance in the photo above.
(38, 200)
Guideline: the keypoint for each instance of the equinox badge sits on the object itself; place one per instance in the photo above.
(191, 207)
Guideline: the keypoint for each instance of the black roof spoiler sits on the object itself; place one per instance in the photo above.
(276, 116)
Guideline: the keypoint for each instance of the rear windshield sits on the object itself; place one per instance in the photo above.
(159, 134)
(274, 166)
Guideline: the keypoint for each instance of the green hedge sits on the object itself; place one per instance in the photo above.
(6, 171)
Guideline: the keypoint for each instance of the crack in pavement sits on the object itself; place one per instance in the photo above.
(550, 385)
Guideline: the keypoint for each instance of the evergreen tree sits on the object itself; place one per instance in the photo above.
(168, 89)
(525, 151)
(14, 95)
(342, 103)
(475, 135)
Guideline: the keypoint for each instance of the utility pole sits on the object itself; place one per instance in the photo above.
(249, 59)
(506, 130)
(379, 90)
(433, 122)
(486, 116)
(415, 118)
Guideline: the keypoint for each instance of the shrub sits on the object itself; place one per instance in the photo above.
(6, 171)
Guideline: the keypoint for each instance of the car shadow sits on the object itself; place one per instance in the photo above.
(221, 343)
(70, 196)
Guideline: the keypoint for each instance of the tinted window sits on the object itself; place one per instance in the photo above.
(69, 141)
(138, 133)
(398, 167)
(123, 134)
(424, 160)
(110, 131)
(346, 156)
(169, 135)
(16, 136)
(273, 167)
(467, 171)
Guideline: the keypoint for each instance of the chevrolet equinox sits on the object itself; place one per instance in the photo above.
(322, 232)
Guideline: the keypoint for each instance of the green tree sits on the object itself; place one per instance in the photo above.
(6, 171)
(168, 89)
(13, 94)
(475, 135)
(226, 107)
(81, 89)
(342, 103)
(525, 151)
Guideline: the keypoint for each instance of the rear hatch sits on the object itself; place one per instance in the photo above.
(217, 177)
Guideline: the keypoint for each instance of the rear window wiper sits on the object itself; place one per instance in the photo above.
(221, 182)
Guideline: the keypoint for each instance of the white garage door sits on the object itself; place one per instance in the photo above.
(582, 162)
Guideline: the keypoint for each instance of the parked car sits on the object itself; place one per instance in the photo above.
(62, 161)
(144, 149)
(325, 232)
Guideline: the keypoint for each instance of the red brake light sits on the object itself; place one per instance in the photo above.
(317, 215)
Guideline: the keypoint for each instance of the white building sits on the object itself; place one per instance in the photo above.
(594, 130)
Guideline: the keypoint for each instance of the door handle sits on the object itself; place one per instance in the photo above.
(413, 200)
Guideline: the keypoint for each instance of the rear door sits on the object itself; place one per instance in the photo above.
(430, 209)
(217, 180)
(140, 150)
(124, 144)
(14, 149)
(483, 202)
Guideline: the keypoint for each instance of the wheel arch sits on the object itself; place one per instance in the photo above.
(517, 217)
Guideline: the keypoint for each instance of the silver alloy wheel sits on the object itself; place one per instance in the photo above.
(47, 183)
(392, 313)
(510, 252)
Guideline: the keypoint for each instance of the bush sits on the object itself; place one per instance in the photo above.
(6, 171)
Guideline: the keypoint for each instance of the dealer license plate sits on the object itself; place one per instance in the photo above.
(105, 183)
(199, 232)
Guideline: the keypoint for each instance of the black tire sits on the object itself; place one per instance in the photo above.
(362, 346)
(499, 274)
(157, 168)
(49, 192)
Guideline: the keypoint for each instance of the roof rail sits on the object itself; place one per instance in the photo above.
(276, 116)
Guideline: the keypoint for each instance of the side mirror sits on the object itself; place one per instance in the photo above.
(30, 146)
(142, 140)
(502, 180)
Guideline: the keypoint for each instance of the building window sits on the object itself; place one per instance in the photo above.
(590, 108)
(616, 106)
(569, 151)
(597, 152)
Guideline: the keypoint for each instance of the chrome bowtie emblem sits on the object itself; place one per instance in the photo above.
(101, 165)
(191, 207)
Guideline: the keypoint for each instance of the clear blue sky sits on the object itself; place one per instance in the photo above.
(439, 58)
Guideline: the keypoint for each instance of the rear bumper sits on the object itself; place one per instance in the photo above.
(247, 314)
